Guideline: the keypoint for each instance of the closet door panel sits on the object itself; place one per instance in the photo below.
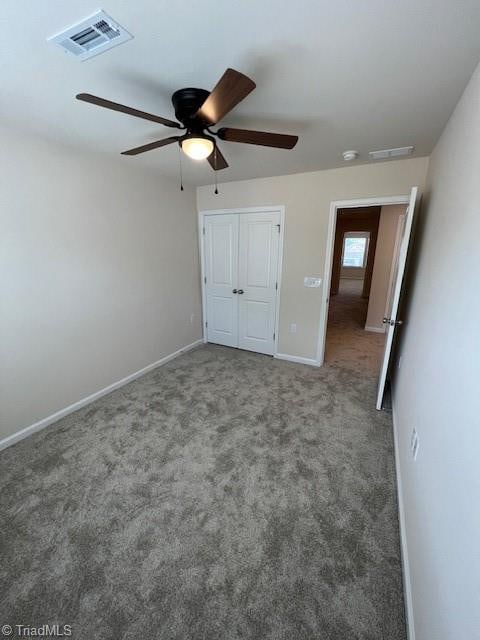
(257, 278)
(221, 271)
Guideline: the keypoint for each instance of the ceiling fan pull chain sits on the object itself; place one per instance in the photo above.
(215, 158)
(180, 163)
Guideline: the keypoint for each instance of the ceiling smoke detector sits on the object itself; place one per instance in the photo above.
(91, 36)
(348, 156)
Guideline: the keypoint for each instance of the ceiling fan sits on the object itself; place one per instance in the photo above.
(197, 110)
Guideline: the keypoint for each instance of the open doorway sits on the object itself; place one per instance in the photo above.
(365, 252)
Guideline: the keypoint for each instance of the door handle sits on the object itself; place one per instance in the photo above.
(391, 322)
(240, 291)
(234, 291)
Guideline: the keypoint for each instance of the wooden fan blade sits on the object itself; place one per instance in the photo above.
(262, 138)
(108, 104)
(150, 146)
(216, 160)
(231, 89)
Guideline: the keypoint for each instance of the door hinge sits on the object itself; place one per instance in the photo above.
(276, 286)
(206, 324)
(274, 335)
(278, 227)
(205, 279)
(203, 230)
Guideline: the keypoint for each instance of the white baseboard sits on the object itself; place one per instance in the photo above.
(41, 424)
(407, 585)
(375, 329)
(284, 356)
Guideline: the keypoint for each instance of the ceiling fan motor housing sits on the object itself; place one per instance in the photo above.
(186, 103)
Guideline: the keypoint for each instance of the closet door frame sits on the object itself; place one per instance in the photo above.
(280, 209)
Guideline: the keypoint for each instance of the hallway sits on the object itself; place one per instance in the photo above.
(348, 344)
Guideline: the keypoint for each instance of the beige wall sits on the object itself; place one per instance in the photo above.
(99, 275)
(382, 267)
(437, 389)
(307, 198)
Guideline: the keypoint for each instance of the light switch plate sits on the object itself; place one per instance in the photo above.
(311, 282)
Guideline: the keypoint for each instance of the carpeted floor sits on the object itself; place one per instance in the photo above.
(348, 344)
(223, 496)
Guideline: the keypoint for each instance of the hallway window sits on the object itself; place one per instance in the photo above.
(354, 250)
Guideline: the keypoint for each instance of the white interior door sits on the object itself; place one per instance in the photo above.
(391, 320)
(257, 281)
(221, 272)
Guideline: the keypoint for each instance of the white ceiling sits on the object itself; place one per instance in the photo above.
(341, 74)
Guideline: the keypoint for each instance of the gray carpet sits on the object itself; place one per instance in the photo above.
(348, 344)
(223, 496)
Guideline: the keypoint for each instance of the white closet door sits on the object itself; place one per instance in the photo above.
(221, 271)
(257, 278)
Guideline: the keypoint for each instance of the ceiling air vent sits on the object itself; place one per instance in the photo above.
(91, 36)
(391, 153)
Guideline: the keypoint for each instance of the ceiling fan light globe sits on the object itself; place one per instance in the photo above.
(197, 148)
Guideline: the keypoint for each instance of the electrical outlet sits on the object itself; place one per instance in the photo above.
(293, 328)
(414, 444)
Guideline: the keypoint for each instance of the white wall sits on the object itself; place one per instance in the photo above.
(437, 390)
(307, 197)
(99, 275)
(382, 266)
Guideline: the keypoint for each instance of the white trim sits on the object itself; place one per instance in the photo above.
(201, 224)
(284, 356)
(221, 212)
(201, 243)
(332, 221)
(281, 209)
(407, 584)
(41, 424)
(375, 329)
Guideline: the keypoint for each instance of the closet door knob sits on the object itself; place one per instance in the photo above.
(234, 291)
(240, 291)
